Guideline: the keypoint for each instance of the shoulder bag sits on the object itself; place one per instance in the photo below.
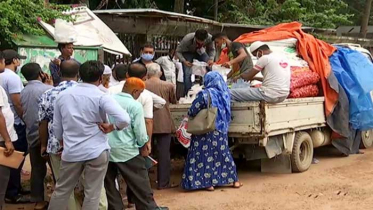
(204, 121)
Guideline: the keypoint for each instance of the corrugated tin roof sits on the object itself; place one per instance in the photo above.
(154, 12)
(351, 29)
(161, 13)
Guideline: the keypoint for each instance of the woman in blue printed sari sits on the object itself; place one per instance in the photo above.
(209, 162)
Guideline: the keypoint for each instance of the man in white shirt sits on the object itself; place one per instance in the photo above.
(13, 86)
(7, 134)
(169, 68)
(147, 98)
(276, 77)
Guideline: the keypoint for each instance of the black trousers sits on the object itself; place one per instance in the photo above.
(4, 179)
(136, 176)
(163, 142)
(14, 184)
(38, 173)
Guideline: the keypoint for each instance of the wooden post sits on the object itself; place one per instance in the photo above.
(179, 6)
(365, 19)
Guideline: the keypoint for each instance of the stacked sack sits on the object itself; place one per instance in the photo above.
(303, 83)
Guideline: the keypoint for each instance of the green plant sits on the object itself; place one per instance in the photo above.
(19, 17)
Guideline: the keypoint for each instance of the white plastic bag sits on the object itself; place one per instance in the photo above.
(222, 70)
(199, 68)
(240, 84)
(64, 32)
(182, 135)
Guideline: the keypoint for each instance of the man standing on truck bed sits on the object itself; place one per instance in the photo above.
(276, 77)
(198, 45)
(240, 59)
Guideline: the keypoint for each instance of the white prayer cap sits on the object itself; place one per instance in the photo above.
(107, 70)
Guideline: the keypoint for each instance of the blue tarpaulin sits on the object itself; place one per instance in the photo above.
(355, 74)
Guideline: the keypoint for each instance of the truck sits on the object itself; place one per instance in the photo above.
(282, 135)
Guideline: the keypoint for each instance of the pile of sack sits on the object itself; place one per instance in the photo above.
(303, 83)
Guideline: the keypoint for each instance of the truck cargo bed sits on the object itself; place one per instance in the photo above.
(261, 119)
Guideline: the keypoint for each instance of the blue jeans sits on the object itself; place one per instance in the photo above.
(188, 70)
(14, 184)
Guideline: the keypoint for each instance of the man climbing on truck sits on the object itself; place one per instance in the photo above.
(240, 59)
(275, 68)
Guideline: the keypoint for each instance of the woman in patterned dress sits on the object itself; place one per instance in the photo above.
(209, 162)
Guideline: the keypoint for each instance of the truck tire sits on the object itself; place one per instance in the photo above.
(366, 139)
(302, 154)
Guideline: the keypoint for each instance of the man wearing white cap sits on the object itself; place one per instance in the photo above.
(276, 77)
(105, 79)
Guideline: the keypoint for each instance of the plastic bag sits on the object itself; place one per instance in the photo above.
(305, 91)
(222, 70)
(199, 68)
(182, 135)
(354, 73)
(303, 79)
(64, 32)
(240, 84)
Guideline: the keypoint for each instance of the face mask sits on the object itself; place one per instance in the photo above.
(18, 69)
(147, 57)
(257, 54)
(224, 45)
(201, 50)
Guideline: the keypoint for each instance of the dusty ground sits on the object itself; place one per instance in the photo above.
(343, 183)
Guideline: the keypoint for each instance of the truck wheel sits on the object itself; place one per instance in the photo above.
(302, 155)
(366, 139)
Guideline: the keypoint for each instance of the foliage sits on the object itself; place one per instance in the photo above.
(19, 17)
(315, 13)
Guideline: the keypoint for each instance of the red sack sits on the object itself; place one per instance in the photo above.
(296, 70)
(182, 135)
(306, 91)
(303, 79)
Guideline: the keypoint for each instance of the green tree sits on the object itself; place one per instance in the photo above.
(316, 13)
(19, 17)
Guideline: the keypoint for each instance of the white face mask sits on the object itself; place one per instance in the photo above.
(18, 69)
(224, 45)
(201, 50)
(257, 54)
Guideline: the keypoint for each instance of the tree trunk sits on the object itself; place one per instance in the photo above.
(216, 6)
(365, 19)
(179, 6)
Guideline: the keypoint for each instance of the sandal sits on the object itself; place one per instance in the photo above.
(210, 189)
(170, 186)
(237, 185)
(41, 205)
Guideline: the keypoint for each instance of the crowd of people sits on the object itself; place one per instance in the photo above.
(91, 123)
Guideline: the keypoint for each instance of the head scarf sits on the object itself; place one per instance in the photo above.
(220, 98)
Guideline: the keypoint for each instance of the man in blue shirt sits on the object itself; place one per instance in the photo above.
(29, 100)
(49, 144)
(125, 155)
(80, 123)
(67, 51)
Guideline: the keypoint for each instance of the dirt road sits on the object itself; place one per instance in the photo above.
(343, 183)
(335, 183)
